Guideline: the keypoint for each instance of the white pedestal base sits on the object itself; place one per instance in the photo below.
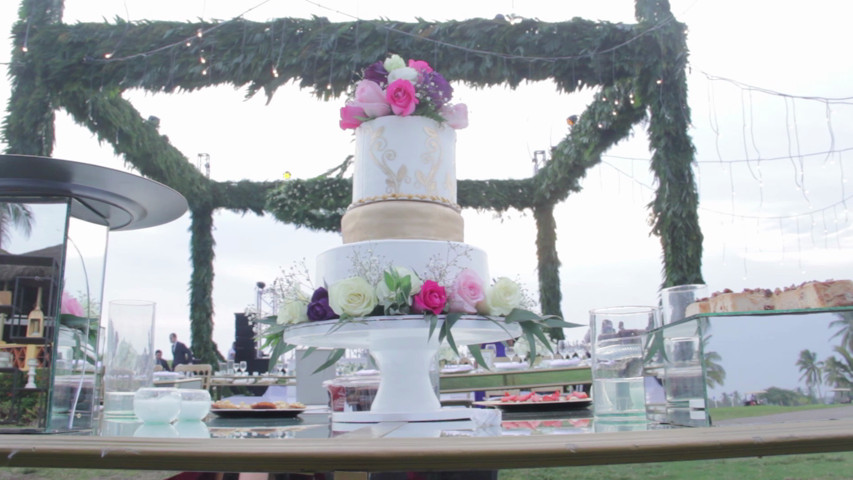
(443, 415)
(404, 353)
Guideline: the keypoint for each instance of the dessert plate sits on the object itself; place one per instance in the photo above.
(536, 406)
(256, 412)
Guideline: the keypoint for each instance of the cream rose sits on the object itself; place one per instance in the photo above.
(501, 298)
(354, 297)
(387, 297)
(393, 62)
(292, 312)
(406, 73)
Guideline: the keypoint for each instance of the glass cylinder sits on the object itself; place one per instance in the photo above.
(128, 355)
(674, 300)
(618, 335)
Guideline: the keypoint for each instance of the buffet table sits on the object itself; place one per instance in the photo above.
(534, 378)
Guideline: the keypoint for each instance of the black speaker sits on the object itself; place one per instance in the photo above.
(242, 327)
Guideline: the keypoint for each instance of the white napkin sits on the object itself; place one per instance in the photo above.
(457, 368)
(510, 365)
(563, 362)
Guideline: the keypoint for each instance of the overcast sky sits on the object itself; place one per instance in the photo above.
(776, 220)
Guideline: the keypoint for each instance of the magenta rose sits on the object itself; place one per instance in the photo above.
(466, 292)
(420, 66)
(401, 96)
(352, 116)
(432, 298)
(370, 97)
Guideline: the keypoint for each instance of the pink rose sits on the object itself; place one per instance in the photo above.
(352, 116)
(420, 66)
(432, 298)
(70, 305)
(466, 292)
(401, 96)
(455, 115)
(370, 97)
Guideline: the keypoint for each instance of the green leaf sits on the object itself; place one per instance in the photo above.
(520, 315)
(334, 356)
(446, 329)
(556, 322)
(477, 353)
(540, 334)
(433, 322)
(280, 349)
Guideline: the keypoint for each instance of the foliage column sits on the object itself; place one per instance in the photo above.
(675, 219)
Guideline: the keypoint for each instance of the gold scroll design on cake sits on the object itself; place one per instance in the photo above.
(382, 156)
(431, 157)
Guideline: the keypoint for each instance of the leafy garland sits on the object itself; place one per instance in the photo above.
(84, 68)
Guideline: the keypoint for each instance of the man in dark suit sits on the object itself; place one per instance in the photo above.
(159, 360)
(180, 353)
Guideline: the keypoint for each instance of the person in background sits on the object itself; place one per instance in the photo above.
(232, 354)
(181, 355)
(159, 360)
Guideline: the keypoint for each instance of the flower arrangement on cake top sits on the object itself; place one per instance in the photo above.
(393, 87)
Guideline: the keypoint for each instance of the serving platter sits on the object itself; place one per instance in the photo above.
(256, 412)
(549, 406)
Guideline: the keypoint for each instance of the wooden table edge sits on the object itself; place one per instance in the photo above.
(424, 454)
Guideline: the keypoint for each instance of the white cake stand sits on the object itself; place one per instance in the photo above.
(403, 351)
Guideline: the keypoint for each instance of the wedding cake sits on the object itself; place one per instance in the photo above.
(403, 234)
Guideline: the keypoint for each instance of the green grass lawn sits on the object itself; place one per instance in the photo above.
(821, 466)
(726, 413)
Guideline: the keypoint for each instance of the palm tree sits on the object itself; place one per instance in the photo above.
(812, 370)
(845, 329)
(836, 373)
(715, 374)
(15, 215)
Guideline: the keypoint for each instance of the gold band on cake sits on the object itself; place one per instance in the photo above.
(411, 220)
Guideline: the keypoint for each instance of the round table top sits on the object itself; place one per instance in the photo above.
(119, 200)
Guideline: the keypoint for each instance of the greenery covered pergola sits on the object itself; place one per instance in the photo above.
(638, 71)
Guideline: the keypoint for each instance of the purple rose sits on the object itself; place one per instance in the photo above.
(318, 308)
(377, 73)
(438, 90)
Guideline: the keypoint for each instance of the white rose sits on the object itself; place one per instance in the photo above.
(387, 297)
(292, 312)
(393, 62)
(406, 73)
(354, 297)
(501, 298)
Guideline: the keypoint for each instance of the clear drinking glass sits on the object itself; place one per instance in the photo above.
(674, 300)
(242, 367)
(618, 335)
(128, 355)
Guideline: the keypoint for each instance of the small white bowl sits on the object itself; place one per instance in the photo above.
(195, 404)
(157, 405)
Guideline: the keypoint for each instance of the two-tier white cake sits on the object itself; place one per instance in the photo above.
(403, 210)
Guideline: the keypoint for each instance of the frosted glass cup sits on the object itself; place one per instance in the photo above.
(617, 336)
(674, 300)
(128, 354)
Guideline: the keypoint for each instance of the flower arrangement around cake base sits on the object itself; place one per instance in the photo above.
(401, 291)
